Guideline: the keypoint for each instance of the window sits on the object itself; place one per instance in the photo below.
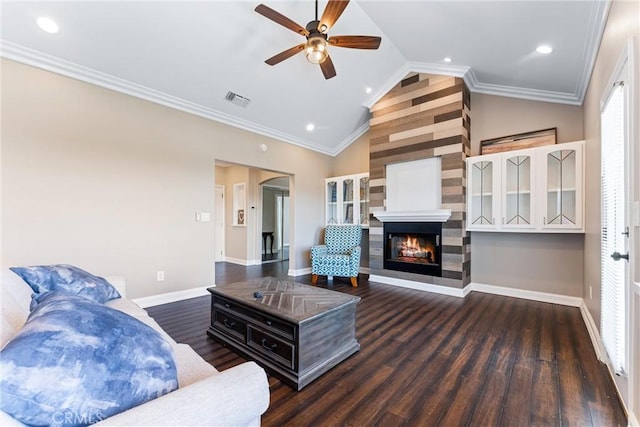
(614, 232)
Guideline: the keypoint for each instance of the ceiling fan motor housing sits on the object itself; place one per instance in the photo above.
(314, 30)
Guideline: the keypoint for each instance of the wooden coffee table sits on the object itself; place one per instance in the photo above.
(297, 332)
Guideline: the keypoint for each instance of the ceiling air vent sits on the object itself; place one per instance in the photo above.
(236, 99)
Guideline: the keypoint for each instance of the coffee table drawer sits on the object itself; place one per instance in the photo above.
(229, 324)
(268, 322)
(272, 347)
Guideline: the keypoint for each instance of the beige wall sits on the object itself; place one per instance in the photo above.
(235, 236)
(542, 262)
(354, 158)
(496, 116)
(111, 183)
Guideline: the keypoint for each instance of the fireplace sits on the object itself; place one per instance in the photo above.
(413, 247)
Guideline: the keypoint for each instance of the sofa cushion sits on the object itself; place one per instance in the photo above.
(77, 362)
(69, 279)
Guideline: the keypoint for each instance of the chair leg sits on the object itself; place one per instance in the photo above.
(354, 282)
(314, 279)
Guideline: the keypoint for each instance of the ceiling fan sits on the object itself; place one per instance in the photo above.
(317, 38)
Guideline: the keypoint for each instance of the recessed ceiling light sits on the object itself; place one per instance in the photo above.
(368, 89)
(544, 49)
(47, 24)
(447, 59)
(310, 127)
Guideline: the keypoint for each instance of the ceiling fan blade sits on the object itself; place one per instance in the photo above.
(332, 12)
(327, 68)
(279, 18)
(356, 42)
(286, 54)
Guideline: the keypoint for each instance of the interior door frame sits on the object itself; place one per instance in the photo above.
(220, 209)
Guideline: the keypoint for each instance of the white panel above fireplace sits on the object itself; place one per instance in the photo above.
(414, 192)
(414, 186)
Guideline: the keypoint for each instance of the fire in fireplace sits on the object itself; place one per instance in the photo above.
(413, 247)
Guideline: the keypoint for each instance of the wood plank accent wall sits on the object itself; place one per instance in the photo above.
(424, 116)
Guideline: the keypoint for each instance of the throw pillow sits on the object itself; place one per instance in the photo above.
(76, 362)
(69, 279)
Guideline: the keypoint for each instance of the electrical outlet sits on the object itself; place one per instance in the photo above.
(160, 276)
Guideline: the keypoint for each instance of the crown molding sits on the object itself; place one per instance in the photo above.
(470, 78)
(51, 63)
(364, 127)
(518, 92)
(597, 24)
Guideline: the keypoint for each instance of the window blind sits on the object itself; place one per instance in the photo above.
(613, 314)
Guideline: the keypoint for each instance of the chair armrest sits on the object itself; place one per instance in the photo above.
(318, 250)
(356, 250)
(234, 397)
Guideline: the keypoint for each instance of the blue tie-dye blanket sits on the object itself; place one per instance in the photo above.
(76, 362)
(68, 279)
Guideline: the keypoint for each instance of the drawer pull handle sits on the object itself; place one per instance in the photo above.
(229, 324)
(271, 347)
(227, 306)
(268, 322)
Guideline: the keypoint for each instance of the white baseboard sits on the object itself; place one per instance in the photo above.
(594, 333)
(481, 287)
(524, 294)
(427, 287)
(236, 261)
(152, 300)
(299, 272)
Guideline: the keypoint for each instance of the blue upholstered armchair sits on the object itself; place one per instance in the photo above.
(340, 255)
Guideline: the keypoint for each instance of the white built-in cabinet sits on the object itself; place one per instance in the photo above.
(531, 190)
(347, 199)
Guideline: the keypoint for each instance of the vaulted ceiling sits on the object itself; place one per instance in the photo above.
(189, 55)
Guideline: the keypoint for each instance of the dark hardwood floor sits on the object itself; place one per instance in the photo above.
(431, 360)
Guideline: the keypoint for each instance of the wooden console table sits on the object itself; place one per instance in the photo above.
(297, 332)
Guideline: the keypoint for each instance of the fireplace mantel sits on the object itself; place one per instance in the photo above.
(435, 215)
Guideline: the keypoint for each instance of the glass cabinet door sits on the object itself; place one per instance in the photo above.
(332, 202)
(347, 201)
(364, 201)
(517, 196)
(481, 205)
(561, 179)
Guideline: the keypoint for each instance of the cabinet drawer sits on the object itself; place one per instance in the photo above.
(229, 324)
(272, 347)
(285, 329)
(278, 326)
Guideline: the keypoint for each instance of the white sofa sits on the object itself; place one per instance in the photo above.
(206, 397)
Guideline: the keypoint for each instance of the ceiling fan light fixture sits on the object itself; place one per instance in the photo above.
(316, 50)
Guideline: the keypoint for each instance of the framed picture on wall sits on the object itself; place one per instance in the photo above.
(516, 142)
(239, 203)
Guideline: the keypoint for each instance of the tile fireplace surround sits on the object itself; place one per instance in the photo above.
(423, 117)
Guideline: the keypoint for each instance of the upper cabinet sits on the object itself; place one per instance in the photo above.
(562, 194)
(347, 199)
(531, 190)
(483, 192)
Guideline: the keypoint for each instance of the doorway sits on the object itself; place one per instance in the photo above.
(275, 220)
